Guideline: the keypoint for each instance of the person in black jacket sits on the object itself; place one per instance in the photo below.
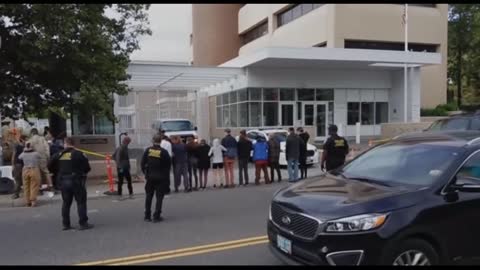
(122, 160)
(303, 152)
(203, 162)
(72, 167)
(244, 147)
(292, 153)
(18, 166)
(156, 164)
(335, 150)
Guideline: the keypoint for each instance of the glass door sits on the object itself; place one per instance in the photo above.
(321, 116)
(287, 114)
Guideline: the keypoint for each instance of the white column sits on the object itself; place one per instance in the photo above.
(405, 84)
(357, 133)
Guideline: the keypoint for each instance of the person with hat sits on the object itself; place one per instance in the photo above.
(335, 150)
(123, 166)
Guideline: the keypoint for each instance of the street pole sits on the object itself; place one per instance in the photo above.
(405, 87)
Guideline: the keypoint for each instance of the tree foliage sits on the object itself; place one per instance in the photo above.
(463, 53)
(71, 56)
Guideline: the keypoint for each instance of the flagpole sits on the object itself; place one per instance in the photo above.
(405, 87)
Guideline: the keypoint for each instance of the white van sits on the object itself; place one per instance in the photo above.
(176, 127)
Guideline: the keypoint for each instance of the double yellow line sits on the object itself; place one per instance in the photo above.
(158, 256)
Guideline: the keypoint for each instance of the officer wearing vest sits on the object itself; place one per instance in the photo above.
(335, 150)
(72, 167)
(156, 164)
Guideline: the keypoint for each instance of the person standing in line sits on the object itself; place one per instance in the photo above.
(40, 145)
(167, 145)
(244, 150)
(72, 167)
(30, 174)
(56, 146)
(192, 148)
(229, 157)
(179, 151)
(303, 152)
(292, 151)
(203, 162)
(335, 150)
(18, 165)
(122, 160)
(156, 164)
(260, 157)
(273, 157)
(216, 152)
(47, 134)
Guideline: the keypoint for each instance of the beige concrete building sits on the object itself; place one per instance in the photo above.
(225, 31)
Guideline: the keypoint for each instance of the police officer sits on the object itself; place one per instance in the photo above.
(156, 164)
(72, 167)
(335, 150)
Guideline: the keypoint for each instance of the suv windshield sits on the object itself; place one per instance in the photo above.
(413, 164)
(177, 126)
(450, 124)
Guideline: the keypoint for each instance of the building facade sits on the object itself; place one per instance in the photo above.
(285, 87)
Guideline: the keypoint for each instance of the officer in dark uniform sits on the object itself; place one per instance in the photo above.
(335, 150)
(156, 164)
(72, 167)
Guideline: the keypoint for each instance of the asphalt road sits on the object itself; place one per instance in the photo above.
(197, 230)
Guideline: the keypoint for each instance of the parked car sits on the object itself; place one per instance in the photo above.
(467, 121)
(412, 201)
(281, 136)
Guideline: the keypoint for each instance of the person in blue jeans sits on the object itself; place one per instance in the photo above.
(292, 151)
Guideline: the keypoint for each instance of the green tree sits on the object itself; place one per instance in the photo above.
(70, 56)
(463, 54)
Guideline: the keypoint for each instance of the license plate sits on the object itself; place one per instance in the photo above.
(284, 244)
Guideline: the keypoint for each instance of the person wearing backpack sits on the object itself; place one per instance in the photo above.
(260, 157)
(229, 157)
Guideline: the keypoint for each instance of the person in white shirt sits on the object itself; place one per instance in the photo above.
(217, 153)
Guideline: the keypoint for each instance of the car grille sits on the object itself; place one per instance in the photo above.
(310, 153)
(300, 225)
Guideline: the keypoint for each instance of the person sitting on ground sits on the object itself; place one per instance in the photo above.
(260, 157)
(30, 174)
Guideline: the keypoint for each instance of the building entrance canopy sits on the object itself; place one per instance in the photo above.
(151, 76)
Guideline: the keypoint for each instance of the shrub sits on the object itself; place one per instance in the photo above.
(438, 111)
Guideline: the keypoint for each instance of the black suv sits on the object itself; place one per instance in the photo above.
(412, 201)
(467, 121)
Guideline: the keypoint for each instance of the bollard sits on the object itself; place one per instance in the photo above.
(109, 173)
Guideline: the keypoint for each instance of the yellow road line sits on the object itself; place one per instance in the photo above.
(182, 250)
(159, 258)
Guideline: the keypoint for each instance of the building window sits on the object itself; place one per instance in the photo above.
(242, 95)
(330, 112)
(381, 112)
(309, 111)
(368, 113)
(219, 117)
(392, 46)
(226, 116)
(270, 94)
(255, 114)
(287, 94)
(255, 94)
(324, 94)
(87, 124)
(125, 122)
(256, 32)
(126, 100)
(243, 114)
(306, 94)
(219, 100)
(294, 12)
(270, 114)
(233, 96)
(353, 113)
(226, 99)
(233, 115)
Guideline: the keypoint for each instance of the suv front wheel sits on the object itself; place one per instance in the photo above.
(412, 252)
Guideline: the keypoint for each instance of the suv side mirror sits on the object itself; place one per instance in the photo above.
(195, 128)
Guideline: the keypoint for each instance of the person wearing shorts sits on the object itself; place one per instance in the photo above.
(216, 153)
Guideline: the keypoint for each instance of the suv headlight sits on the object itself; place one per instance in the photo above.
(356, 223)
